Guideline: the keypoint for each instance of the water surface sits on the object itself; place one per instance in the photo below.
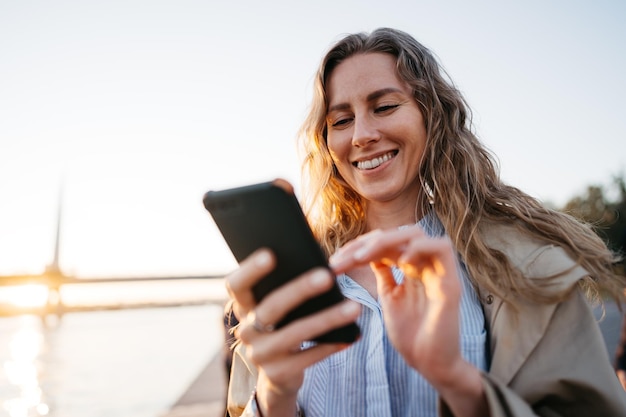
(107, 363)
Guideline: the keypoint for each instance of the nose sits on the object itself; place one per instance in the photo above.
(365, 132)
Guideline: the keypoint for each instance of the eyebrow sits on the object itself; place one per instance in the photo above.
(370, 97)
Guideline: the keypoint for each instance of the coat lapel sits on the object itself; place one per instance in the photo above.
(514, 335)
(516, 331)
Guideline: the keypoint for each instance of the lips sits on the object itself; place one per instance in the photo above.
(375, 162)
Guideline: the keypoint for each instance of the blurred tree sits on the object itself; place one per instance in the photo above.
(607, 217)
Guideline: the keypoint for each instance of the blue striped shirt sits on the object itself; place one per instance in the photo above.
(371, 378)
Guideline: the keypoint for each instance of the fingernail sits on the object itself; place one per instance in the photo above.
(262, 259)
(350, 308)
(319, 278)
(360, 254)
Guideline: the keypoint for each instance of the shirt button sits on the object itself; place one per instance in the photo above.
(489, 299)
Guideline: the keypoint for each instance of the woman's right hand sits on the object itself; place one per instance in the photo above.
(277, 354)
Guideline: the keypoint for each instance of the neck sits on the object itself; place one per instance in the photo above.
(388, 215)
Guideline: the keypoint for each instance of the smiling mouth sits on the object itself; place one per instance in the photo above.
(375, 162)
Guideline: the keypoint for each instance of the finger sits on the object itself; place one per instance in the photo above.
(433, 263)
(278, 303)
(390, 291)
(348, 249)
(257, 324)
(422, 250)
(434, 256)
(381, 246)
(385, 281)
(239, 283)
(288, 339)
(297, 362)
(387, 247)
(315, 354)
(315, 325)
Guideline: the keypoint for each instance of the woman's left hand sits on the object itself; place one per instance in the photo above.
(422, 313)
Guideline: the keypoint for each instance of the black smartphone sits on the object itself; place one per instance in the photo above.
(269, 215)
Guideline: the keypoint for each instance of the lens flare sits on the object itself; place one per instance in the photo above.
(26, 296)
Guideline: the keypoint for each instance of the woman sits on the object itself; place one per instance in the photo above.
(434, 253)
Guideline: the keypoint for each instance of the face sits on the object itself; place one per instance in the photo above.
(376, 133)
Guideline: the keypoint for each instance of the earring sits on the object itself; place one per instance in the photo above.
(430, 193)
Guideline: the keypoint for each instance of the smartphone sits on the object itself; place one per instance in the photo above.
(269, 215)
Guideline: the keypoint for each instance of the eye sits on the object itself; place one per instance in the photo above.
(341, 122)
(385, 108)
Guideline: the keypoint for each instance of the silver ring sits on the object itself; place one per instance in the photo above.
(261, 327)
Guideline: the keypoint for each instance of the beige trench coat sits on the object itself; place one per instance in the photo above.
(547, 360)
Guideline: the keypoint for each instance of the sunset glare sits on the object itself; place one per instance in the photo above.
(135, 109)
(25, 296)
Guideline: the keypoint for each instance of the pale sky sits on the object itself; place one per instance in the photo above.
(139, 107)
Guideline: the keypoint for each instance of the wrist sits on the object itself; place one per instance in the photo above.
(463, 391)
(271, 403)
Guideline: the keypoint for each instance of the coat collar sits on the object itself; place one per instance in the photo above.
(516, 331)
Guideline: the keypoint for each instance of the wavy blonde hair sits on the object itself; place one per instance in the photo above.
(459, 175)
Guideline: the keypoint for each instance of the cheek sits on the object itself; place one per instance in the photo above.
(338, 148)
(334, 159)
(332, 150)
(337, 162)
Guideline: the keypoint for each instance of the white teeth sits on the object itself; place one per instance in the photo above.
(373, 163)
